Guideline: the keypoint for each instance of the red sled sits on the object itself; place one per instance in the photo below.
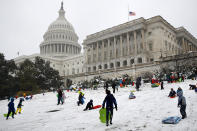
(97, 106)
(172, 96)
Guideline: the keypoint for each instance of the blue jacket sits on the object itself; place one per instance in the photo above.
(11, 105)
(109, 100)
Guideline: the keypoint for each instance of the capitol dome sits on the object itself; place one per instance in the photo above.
(60, 40)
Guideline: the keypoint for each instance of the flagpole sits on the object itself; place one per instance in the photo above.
(128, 12)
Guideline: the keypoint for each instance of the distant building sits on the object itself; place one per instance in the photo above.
(131, 48)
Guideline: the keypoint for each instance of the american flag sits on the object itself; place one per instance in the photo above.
(131, 13)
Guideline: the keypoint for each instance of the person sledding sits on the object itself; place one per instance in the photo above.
(11, 108)
(192, 87)
(181, 103)
(172, 93)
(110, 101)
(89, 106)
(19, 107)
(81, 99)
(132, 96)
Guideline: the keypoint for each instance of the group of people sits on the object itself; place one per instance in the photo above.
(109, 103)
(11, 108)
(181, 101)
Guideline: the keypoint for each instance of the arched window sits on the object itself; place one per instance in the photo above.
(99, 67)
(94, 68)
(111, 65)
(139, 60)
(132, 61)
(105, 66)
(117, 64)
(125, 63)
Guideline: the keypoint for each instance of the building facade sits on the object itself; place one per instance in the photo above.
(130, 48)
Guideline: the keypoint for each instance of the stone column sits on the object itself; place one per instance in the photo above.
(108, 49)
(135, 42)
(143, 43)
(128, 45)
(183, 45)
(92, 52)
(114, 47)
(102, 50)
(121, 47)
(97, 54)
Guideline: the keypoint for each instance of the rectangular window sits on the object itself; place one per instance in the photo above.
(110, 53)
(105, 55)
(150, 46)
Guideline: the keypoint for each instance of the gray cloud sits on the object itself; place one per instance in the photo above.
(23, 22)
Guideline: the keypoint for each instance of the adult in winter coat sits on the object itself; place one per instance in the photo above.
(181, 103)
(106, 86)
(89, 106)
(172, 93)
(19, 106)
(59, 96)
(114, 86)
(110, 101)
(11, 108)
(138, 83)
(162, 85)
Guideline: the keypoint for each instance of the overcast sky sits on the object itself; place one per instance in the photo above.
(24, 22)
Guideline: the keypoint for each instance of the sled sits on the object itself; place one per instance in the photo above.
(5, 115)
(132, 97)
(102, 113)
(97, 106)
(172, 96)
(171, 120)
(155, 85)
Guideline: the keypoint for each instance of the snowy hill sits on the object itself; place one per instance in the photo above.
(141, 114)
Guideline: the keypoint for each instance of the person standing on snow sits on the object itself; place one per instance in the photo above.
(138, 83)
(110, 101)
(181, 103)
(59, 96)
(11, 108)
(80, 98)
(113, 86)
(19, 106)
(162, 85)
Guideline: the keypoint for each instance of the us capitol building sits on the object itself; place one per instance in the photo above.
(130, 48)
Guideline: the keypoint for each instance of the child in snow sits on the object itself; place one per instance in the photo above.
(19, 106)
(195, 89)
(131, 96)
(181, 103)
(11, 108)
(80, 98)
(192, 87)
(172, 93)
(89, 105)
(63, 97)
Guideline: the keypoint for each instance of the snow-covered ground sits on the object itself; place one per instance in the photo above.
(144, 113)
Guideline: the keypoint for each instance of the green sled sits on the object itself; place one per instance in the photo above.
(102, 113)
(5, 115)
